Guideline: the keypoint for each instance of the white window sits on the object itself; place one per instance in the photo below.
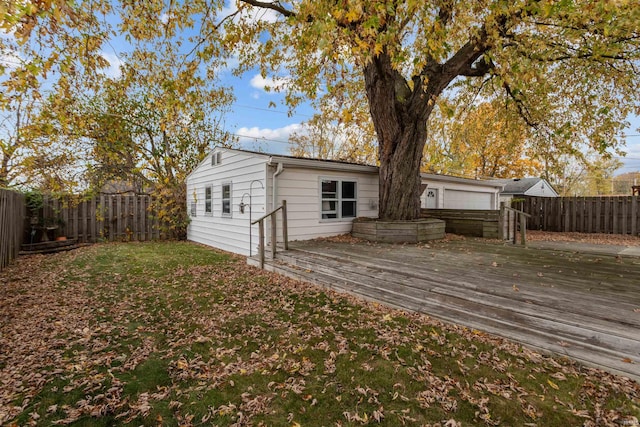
(208, 199)
(216, 158)
(338, 199)
(226, 199)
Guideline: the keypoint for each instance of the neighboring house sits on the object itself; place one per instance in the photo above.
(519, 187)
(450, 192)
(323, 196)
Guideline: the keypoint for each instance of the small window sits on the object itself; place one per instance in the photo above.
(208, 200)
(339, 199)
(226, 199)
(216, 158)
(193, 208)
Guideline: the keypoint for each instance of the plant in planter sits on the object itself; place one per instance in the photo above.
(52, 226)
(34, 201)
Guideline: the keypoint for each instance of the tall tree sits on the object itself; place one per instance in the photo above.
(408, 53)
(568, 66)
(480, 141)
(341, 130)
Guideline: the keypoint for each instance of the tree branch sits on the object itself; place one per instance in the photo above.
(522, 109)
(275, 6)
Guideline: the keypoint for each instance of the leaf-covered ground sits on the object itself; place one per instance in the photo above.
(179, 334)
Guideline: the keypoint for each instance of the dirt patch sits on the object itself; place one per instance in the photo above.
(593, 238)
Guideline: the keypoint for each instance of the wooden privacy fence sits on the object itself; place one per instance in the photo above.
(604, 214)
(103, 218)
(11, 223)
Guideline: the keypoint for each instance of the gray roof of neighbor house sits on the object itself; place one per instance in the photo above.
(518, 185)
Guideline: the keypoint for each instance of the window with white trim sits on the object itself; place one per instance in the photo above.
(226, 199)
(208, 200)
(338, 199)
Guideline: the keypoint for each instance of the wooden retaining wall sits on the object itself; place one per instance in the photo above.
(103, 218)
(479, 223)
(398, 231)
(604, 214)
(11, 223)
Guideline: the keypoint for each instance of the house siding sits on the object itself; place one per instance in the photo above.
(301, 189)
(541, 189)
(230, 233)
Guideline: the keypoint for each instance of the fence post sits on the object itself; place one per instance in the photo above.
(501, 223)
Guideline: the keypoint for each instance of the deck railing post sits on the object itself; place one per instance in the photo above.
(285, 227)
(523, 229)
(274, 234)
(261, 243)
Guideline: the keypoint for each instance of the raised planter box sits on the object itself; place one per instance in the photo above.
(477, 223)
(419, 230)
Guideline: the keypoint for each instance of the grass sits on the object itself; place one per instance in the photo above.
(179, 334)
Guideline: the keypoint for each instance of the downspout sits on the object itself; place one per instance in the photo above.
(274, 183)
(274, 186)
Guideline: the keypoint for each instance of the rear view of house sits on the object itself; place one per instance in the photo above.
(230, 188)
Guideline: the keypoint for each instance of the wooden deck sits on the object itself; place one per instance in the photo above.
(586, 307)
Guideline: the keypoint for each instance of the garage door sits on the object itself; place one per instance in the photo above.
(457, 199)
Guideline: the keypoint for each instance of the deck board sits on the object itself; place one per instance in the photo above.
(578, 305)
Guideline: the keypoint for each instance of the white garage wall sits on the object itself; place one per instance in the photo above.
(464, 199)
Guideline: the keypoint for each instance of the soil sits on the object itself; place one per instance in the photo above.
(593, 238)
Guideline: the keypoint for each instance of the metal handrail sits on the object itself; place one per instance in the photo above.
(285, 233)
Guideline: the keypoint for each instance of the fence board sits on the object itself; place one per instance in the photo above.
(12, 207)
(610, 214)
(106, 217)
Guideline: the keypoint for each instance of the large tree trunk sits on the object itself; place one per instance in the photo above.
(400, 119)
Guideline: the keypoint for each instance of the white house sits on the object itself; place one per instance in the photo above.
(231, 187)
(322, 197)
(517, 187)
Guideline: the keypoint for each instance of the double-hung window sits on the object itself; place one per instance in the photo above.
(226, 199)
(338, 199)
(208, 200)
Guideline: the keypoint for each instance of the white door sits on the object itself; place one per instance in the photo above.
(457, 199)
(432, 198)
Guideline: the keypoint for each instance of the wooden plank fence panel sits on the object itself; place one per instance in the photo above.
(601, 214)
(12, 217)
(634, 216)
(105, 217)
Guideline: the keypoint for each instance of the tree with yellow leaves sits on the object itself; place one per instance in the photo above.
(569, 67)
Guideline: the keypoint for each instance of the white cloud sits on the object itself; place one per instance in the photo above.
(113, 71)
(271, 140)
(9, 59)
(164, 18)
(274, 83)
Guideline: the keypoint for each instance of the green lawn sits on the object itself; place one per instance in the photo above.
(179, 334)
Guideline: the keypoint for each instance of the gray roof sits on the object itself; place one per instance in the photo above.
(518, 185)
